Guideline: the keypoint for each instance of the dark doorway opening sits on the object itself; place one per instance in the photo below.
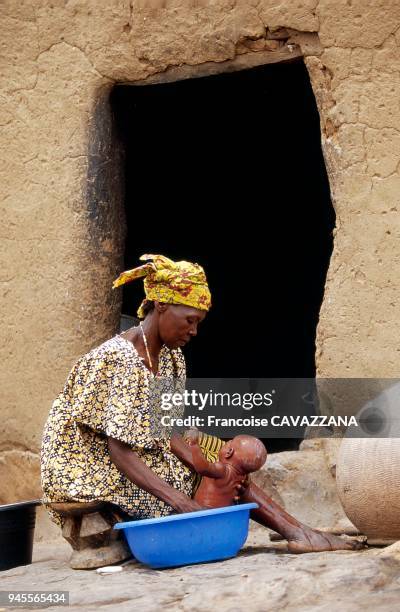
(227, 171)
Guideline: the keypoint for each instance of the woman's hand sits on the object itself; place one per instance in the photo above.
(191, 436)
(141, 475)
(241, 488)
(182, 503)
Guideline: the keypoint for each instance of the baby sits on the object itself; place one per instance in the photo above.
(223, 479)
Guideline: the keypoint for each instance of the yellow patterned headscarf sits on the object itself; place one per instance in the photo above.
(171, 282)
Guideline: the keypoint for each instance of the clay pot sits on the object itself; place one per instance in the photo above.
(368, 469)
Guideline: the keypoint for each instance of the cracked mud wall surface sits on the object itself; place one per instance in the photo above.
(357, 84)
(61, 222)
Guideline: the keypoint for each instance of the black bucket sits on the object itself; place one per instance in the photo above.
(17, 527)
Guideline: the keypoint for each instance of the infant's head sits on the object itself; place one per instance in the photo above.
(246, 452)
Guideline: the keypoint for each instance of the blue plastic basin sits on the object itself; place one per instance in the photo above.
(193, 537)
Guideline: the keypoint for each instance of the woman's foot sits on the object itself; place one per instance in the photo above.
(307, 540)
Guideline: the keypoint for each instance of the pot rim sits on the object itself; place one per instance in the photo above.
(21, 504)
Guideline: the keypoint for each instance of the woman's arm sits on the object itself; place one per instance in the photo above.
(127, 461)
(191, 455)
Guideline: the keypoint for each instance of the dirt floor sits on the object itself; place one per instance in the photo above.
(261, 578)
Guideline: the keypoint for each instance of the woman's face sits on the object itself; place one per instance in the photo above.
(178, 324)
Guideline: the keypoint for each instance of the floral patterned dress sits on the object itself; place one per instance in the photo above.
(107, 393)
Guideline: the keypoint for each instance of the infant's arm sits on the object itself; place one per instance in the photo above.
(192, 456)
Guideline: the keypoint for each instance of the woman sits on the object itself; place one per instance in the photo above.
(98, 441)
